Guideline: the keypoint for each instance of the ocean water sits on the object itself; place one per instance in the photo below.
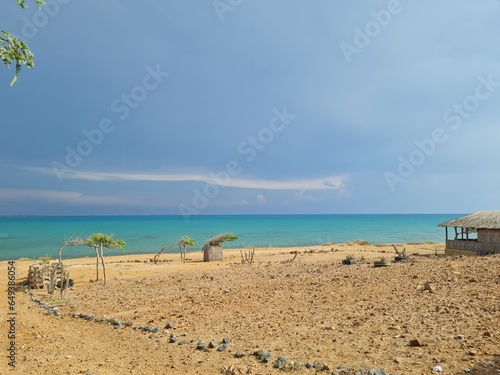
(33, 237)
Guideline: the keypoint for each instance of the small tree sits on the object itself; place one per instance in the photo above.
(183, 243)
(99, 241)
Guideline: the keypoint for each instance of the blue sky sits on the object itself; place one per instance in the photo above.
(238, 106)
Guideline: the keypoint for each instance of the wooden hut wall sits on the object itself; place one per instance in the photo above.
(489, 240)
(212, 253)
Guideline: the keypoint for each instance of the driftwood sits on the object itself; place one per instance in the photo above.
(292, 259)
(64, 283)
(401, 254)
(59, 277)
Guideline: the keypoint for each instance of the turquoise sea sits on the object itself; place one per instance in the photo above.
(33, 237)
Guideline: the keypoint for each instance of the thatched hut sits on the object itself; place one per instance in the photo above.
(212, 250)
(474, 234)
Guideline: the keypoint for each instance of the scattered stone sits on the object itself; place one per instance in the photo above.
(169, 326)
(113, 321)
(172, 339)
(226, 340)
(280, 362)
(53, 311)
(320, 367)
(223, 347)
(212, 344)
(429, 287)
(460, 337)
(201, 346)
(183, 342)
(239, 355)
(416, 343)
(263, 355)
(235, 370)
(437, 368)
(309, 365)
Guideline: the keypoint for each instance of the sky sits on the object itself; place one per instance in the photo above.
(252, 107)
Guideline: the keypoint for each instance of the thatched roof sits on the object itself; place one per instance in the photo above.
(479, 219)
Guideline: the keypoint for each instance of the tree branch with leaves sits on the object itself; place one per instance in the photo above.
(14, 50)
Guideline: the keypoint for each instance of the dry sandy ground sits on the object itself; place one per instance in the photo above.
(312, 309)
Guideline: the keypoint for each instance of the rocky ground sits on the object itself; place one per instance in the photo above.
(308, 315)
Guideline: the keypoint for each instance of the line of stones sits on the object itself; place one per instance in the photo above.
(263, 356)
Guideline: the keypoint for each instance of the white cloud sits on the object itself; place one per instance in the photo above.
(327, 183)
(302, 196)
(261, 198)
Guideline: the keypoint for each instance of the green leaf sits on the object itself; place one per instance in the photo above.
(98, 239)
(15, 50)
(187, 241)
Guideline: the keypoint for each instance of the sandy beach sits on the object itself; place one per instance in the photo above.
(306, 309)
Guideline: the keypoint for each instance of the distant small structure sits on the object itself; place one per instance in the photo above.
(474, 234)
(212, 250)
